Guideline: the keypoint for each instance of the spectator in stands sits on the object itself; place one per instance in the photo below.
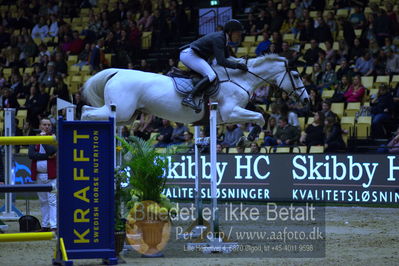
(389, 45)
(66, 44)
(380, 63)
(145, 22)
(348, 31)
(84, 56)
(5, 37)
(77, 44)
(322, 32)
(53, 30)
(44, 172)
(264, 45)
(134, 38)
(374, 48)
(332, 23)
(232, 135)
(255, 148)
(356, 51)
(43, 99)
(262, 22)
(381, 107)
(343, 51)
(315, 100)
(382, 26)
(78, 101)
(9, 99)
(61, 66)
(326, 109)
(317, 74)
(11, 54)
(144, 66)
(178, 133)
(331, 54)
(322, 61)
(250, 25)
(48, 77)
(17, 87)
(392, 63)
(357, 18)
(291, 116)
(34, 110)
(356, 91)
(340, 89)
(165, 134)
(364, 65)
(271, 127)
(312, 54)
(28, 49)
(110, 43)
(307, 32)
(60, 89)
(313, 134)
(97, 58)
(40, 30)
(333, 135)
(344, 70)
(290, 23)
(288, 53)
(329, 77)
(285, 134)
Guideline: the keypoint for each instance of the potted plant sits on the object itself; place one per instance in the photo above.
(122, 196)
(148, 220)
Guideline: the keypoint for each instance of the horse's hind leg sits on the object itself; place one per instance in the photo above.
(96, 113)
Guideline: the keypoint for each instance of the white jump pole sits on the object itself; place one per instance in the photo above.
(213, 155)
(9, 130)
(197, 228)
(198, 199)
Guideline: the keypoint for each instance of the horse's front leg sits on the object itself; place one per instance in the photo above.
(241, 115)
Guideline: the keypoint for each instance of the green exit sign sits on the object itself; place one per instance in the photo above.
(214, 2)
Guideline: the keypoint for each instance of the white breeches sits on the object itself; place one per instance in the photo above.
(196, 63)
(48, 201)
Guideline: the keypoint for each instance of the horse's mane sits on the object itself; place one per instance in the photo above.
(267, 57)
(258, 60)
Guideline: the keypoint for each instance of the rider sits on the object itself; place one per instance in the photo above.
(200, 51)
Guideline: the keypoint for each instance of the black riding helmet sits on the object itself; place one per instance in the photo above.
(232, 25)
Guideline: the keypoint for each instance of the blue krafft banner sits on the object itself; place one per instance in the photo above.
(86, 188)
(340, 178)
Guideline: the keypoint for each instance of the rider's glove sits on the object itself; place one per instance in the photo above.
(242, 67)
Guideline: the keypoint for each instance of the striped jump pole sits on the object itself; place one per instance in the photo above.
(22, 237)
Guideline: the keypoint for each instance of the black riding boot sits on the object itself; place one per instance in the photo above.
(189, 99)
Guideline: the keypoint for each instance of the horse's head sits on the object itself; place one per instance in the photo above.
(278, 71)
(291, 82)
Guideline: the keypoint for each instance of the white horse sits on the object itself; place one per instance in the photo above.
(132, 90)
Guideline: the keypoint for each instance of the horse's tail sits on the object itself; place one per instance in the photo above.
(93, 89)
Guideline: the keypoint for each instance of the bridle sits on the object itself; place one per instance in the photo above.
(288, 70)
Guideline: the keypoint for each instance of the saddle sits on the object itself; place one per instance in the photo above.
(184, 82)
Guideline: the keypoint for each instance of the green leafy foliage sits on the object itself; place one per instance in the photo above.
(146, 168)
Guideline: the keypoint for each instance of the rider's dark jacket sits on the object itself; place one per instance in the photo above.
(214, 44)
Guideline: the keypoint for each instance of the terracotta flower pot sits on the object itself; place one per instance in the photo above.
(152, 234)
